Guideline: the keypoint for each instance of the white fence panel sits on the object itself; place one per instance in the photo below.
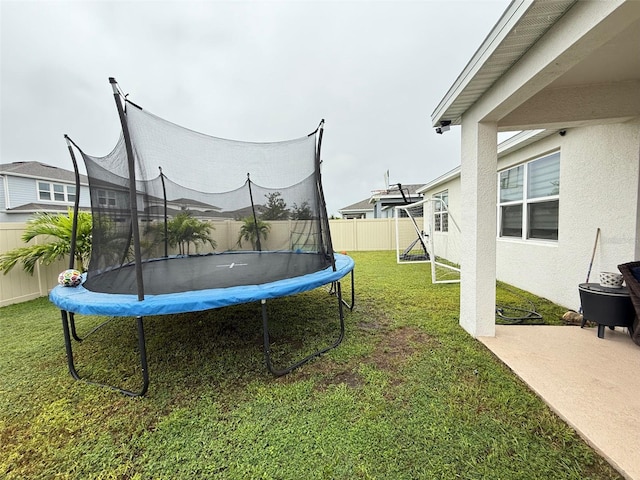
(347, 235)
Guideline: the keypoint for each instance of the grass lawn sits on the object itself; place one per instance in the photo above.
(407, 395)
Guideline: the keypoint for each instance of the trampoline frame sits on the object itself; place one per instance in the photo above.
(70, 332)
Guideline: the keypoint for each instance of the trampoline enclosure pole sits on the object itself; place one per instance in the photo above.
(132, 189)
(323, 217)
(76, 205)
(255, 218)
(166, 228)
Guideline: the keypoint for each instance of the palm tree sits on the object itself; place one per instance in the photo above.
(58, 229)
(183, 230)
(250, 230)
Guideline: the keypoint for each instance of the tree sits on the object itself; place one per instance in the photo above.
(250, 230)
(184, 229)
(276, 208)
(302, 212)
(57, 228)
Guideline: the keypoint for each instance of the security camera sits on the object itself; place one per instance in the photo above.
(444, 127)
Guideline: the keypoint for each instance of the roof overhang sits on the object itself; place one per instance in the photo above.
(355, 210)
(511, 144)
(450, 175)
(551, 65)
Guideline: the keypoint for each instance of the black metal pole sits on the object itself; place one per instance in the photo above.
(266, 338)
(166, 228)
(67, 345)
(323, 219)
(255, 218)
(76, 205)
(143, 360)
(133, 200)
(404, 198)
(74, 231)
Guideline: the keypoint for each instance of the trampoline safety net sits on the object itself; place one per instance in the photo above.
(198, 194)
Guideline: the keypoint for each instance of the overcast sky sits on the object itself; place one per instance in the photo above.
(256, 71)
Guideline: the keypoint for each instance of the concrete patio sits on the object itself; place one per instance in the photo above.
(591, 383)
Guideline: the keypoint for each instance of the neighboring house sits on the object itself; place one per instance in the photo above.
(400, 194)
(380, 204)
(566, 74)
(30, 187)
(361, 209)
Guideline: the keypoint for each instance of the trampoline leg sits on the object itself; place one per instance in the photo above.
(72, 321)
(67, 318)
(267, 341)
(142, 347)
(333, 290)
(353, 295)
(67, 342)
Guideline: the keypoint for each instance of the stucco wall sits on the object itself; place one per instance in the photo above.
(599, 177)
(447, 244)
(599, 168)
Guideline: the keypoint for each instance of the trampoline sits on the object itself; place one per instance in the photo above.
(144, 220)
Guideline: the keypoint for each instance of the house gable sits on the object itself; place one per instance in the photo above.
(361, 209)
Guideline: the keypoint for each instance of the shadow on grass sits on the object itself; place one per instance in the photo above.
(208, 347)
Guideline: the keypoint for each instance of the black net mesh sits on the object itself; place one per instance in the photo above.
(200, 195)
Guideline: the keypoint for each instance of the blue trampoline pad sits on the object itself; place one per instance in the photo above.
(262, 284)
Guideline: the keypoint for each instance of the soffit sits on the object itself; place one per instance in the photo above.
(519, 28)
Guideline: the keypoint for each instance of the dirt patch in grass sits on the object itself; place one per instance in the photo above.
(392, 351)
(350, 378)
(396, 346)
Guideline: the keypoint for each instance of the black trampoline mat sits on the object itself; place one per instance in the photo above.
(201, 272)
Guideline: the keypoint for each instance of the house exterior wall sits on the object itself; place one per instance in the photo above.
(377, 211)
(599, 175)
(23, 190)
(447, 243)
(385, 209)
(3, 193)
(599, 171)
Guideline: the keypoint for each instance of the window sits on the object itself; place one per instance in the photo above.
(106, 198)
(529, 199)
(440, 213)
(56, 192)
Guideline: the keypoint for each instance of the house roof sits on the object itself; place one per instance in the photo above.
(519, 27)
(361, 206)
(394, 191)
(43, 207)
(444, 178)
(511, 144)
(39, 170)
(557, 63)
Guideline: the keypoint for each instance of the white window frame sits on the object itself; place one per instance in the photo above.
(525, 202)
(439, 215)
(55, 189)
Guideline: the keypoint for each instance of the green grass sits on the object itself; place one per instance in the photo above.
(407, 395)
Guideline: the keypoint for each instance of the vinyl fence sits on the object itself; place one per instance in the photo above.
(18, 286)
(347, 236)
